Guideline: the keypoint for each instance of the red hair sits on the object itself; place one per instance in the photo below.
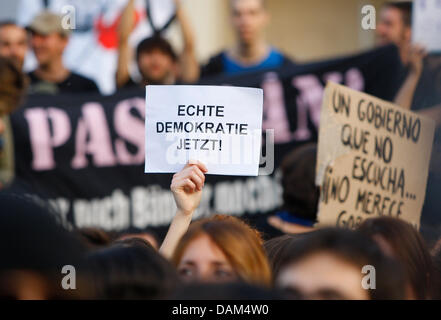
(241, 244)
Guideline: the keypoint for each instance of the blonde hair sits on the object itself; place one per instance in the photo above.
(241, 244)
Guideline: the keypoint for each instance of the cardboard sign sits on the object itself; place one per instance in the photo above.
(373, 159)
(219, 126)
(426, 24)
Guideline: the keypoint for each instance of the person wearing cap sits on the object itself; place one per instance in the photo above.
(48, 41)
(156, 59)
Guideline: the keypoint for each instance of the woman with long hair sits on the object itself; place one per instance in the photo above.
(217, 249)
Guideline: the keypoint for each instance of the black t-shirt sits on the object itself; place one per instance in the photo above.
(74, 83)
(130, 84)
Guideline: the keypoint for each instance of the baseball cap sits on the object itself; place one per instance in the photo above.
(46, 23)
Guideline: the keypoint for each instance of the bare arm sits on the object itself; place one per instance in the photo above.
(125, 27)
(405, 95)
(189, 66)
(187, 191)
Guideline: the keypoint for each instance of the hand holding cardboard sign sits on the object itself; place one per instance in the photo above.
(187, 187)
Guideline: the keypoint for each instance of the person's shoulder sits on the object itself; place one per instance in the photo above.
(214, 65)
(84, 81)
(217, 56)
(286, 60)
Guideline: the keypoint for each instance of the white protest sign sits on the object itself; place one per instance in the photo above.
(219, 126)
(426, 24)
(373, 159)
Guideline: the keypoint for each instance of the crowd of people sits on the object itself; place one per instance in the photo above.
(221, 257)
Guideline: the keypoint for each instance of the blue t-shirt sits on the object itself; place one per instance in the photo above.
(274, 60)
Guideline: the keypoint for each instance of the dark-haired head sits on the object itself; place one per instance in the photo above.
(157, 61)
(225, 291)
(402, 241)
(148, 235)
(333, 263)
(156, 42)
(394, 26)
(36, 248)
(94, 238)
(404, 7)
(276, 248)
(131, 269)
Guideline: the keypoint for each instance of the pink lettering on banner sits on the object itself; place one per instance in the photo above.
(354, 79)
(308, 101)
(93, 138)
(274, 112)
(336, 77)
(42, 138)
(310, 98)
(50, 128)
(130, 128)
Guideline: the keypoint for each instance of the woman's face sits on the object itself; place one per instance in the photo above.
(204, 261)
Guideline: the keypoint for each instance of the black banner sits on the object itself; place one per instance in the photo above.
(86, 153)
